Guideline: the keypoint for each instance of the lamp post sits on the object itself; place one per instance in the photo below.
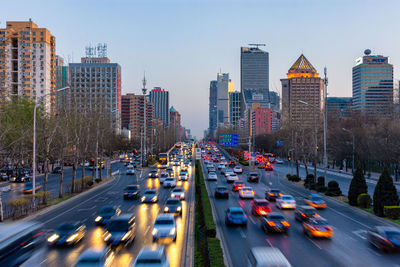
(354, 139)
(34, 139)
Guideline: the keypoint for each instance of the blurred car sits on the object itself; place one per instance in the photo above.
(238, 169)
(152, 257)
(105, 214)
(278, 161)
(246, 192)
(260, 207)
(237, 185)
(232, 164)
(95, 257)
(28, 188)
(163, 176)
(132, 191)
(231, 178)
(316, 201)
(178, 193)
(184, 171)
(120, 230)
(275, 222)
(261, 165)
(317, 227)
(228, 171)
(221, 165)
(173, 206)
(272, 194)
(269, 166)
(67, 234)
(235, 216)
(169, 182)
(130, 172)
(221, 192)
(130, 166)
(164, 227)
(285, 202)
(57, 170)
(149, 196)
(385, 238)
(302, 212)
(153, 174)
(212, 176)
(211, 169)
(169, 170)
(253, 177)
(176, 163)
(267, 256)
(183, 176)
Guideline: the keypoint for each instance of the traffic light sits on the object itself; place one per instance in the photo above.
(289, 158)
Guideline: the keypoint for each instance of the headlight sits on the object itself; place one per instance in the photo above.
(178, 208)
(166, 209)
(98, 218)
(143, 199)
(126, 236)
(108, 235)
(154, 232)
(154, 199)
(172, 195)
(172, 231)
(52, 238)
(72, 237)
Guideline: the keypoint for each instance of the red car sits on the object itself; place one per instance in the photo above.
(260, 207)
(269, 166)
(237, 185)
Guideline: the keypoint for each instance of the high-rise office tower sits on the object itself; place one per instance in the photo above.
(212, 110)
(27, 62)
(175, 123)
(160, 99)
(222, 98)
(339, 106)
(373, 84)
(302, 84)
(274, 99)
(234, 107)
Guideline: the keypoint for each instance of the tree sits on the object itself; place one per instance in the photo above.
(385, 193)
(358, 186)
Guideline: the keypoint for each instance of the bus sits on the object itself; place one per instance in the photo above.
(162, 161)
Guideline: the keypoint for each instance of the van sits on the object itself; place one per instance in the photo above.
(267, 256)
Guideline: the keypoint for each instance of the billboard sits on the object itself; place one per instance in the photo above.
(228, 140)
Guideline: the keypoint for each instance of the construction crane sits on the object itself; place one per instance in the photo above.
(256, 45)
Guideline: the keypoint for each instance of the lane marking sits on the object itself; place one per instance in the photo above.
(315, 243)
(360, 233)
(242, 234)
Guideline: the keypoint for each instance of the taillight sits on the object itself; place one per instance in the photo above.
(285, 223)
(271, 194)
(303, 215)
(252, 192)
(280, 194)
(270, 223)
(229, 216)
(316, 214)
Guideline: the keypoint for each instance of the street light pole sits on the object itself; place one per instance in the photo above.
(354, 139)
(325, 119)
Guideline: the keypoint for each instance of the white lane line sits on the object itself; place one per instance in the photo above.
(242, 234)
(252, 220)
(147, 230)
(374, 252)
(315, 243)
(269, 242)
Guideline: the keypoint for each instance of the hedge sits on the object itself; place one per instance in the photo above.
(207, 211)
(393, 212)
(244, 162)
(333, 189)
(364, 201)
(215, 252)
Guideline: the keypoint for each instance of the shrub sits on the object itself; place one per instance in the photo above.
(320, 186)
(309, 182)
(392, 212)
(41, 197)
(295, 178)
(333, 189)
(288, 176)
(385, 193)
(97, 180)
(19, 207)
(244, 162)
(364, 201)
(358, 186)
(89, 183)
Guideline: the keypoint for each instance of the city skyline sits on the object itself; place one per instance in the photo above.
(156, 41)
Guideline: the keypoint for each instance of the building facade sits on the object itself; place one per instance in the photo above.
(62, 81)
(302, 95)
(212, 110)
(27, 62)
(254, 69)
(222, 98)
(175, 123)
(274, 100)
(160, 99)
(339, 106)
(234, 107)
(373, 84)
(261, 121)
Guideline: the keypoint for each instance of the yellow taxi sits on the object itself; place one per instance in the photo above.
(317, 227)
(316, 201)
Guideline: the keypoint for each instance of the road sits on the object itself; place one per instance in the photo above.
(84, 209)
(348, 246)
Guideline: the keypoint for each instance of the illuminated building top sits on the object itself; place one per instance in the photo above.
(302, 68)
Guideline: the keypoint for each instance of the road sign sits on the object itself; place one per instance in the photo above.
(228, 140)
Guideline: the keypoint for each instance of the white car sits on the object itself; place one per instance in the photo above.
(182, 177)
(178, 193)
(163, 176)
(238, 169)
(164, 227)
(228, 172)
(212, 176)
(220, 166)
(152, 257)
(231, 178)
(169, 182)
(130, 166)
(279, 161)
(246, 192)
(130, 172)
(95, 258)
(286, 202)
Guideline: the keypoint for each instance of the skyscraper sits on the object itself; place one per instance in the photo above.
(222, 98)
(339, 106)
(274, 99)
(212, 111)
(27, 62)
(175, 123)
(302, 84)
(373, 84)
(160, 99)
(234, 107)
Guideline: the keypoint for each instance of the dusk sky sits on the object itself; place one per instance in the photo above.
(181, 45)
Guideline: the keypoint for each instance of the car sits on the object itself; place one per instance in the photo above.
(67, 234)
(317, 227)
(269, 166)
(4, 175)
(130, 172)
(120, 230)
(164, 227)
(238, 169)
(132, 191)
(316, 201)
(275, 222)
(163, 176)
(169, 170)
(178, 193)
(285, 202)
(212, 176)
(235, 216)
(153, 174)
(237, 185)
(95, 257)
(149, 196)
(57, 169)
(232, 164)
(220, 166)
(271, 194)
(152, 257)
(246, 192)
(183, 175)
(19, 177)
(130, 166)
(174, 206)
(384, 238)
(169, 182)
(211, 169)
(221, 192)
(302, 212)
(260, 207)
(261, 165)
(184, 171)
(28, 188)
(278, 161)
(105, 214)
(267, 256)
(253, 177)
(176, 163)
(228, 171)
(222, 170)
(231, 178)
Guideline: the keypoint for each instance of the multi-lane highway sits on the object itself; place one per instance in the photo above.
(84, 209)
(348, 247)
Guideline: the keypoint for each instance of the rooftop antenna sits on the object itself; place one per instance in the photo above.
(256, 45)
(144, 90)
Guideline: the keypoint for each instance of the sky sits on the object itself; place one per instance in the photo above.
(183, 44)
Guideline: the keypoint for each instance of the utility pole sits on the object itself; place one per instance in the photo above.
(144, 90)
(325, 119)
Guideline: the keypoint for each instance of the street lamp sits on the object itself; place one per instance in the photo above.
(354, 139)
(34, 138)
